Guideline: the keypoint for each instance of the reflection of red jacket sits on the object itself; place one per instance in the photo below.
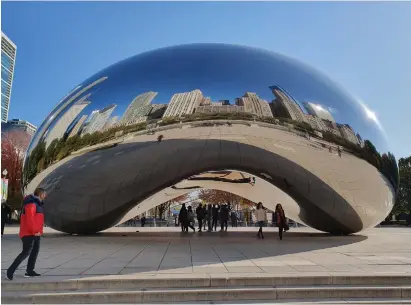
(32, 217)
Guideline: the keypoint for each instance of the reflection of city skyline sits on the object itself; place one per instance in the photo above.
(142, 109)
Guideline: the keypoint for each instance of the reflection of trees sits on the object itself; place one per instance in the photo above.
(166, 205)
(222, 197)
(41, 158)
(403, 202)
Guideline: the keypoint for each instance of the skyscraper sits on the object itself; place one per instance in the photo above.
(111, 121)
(348, 133)
(76, 129)
(318, 111)
(253, 104)
(8, 59)
(139, 106)
(184, 103)
(62, 124)
(285, 106)
(100, 119)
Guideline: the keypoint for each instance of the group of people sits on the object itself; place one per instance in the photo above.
(209, 215)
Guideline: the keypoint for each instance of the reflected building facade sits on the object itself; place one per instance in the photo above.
(77, 127)
(99, 119)
(290, 148)
(286, 107)
(184, 103)
(138, 107)
(60, 128)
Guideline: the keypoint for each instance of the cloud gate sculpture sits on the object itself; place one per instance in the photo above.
(152, 126)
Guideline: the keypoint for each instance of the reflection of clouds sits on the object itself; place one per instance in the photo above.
(332, 110)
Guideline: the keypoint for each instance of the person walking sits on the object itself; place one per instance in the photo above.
(261, 216)
(182, 218)
(216, 209)
(190, 219)
(205, 217)
(234, 218)
(209, 217)
(5, 216)
(200, 217)
(31, 228)
(224, 214)
(281, 220)
(143, 221)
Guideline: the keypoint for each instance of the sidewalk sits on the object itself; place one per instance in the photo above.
(162, 251)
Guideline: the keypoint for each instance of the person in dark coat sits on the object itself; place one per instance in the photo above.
(209, 217)
(182, 218)
(281, 220)
(224, 214)
(200, 217)
(5, 216)
(143, 221)
(216, 209)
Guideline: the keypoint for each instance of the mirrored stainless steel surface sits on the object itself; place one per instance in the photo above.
(120, 141)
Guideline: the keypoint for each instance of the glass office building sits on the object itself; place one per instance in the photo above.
(8, 59)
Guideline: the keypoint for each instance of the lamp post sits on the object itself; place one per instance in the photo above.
(5, 172)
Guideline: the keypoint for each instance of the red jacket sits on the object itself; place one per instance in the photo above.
(32, 217)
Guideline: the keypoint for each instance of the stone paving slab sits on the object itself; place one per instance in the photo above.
(162, 251)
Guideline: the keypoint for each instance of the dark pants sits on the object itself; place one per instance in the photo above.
(188, 224)
(210, 228)
(214, 223)
(31, 247)
(3, 223)
(260, 231)
(224, 225)
(280, 231)
(200, 224)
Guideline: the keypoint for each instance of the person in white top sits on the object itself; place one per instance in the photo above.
(261, 216)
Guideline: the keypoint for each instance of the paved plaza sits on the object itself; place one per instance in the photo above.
(162, 251)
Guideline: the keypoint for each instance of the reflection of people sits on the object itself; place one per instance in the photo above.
(281, 220)
(143, 221)
(31, 228)
(260, 215)
(5, 215)
(339, 151)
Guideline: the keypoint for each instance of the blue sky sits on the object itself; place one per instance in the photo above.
(365, 47)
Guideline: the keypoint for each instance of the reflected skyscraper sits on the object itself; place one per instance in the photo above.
(138, 107)
(100, 119)
(284, 105)
(184, 103)
(253, 104)
(76, 129)
(8, 59)
(318, 111)
(348, 133)
(60, 128)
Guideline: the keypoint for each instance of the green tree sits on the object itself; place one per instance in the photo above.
(403, 202)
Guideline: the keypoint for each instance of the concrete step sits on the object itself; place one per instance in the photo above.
(61, 283)
(141, 296)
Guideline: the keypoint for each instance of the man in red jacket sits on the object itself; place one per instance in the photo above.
(31, 228)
